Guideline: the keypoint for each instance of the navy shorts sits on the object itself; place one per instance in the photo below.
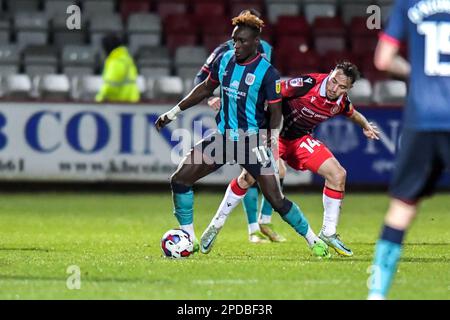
(249, 152)
(422, 157)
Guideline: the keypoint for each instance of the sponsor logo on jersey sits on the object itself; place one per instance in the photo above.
(250, 79)
(309, 80)
(278, 86)
(308, 113)
(234, 84)
(211, 58)
(297, 82)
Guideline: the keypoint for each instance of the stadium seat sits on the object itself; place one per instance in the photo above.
(362, 39)
(208, 8)
(16, 6)
(171, 7)
(389, 92)
(354, 8)
(211, 41)
(153, 61)
(361, 93)
(9, 59)
(88, 87)
(292, 25)
(63, 36)
(144, 29)
(300, 63)
(128, 7)
(329, 34)
(31, 29)
(40, 60)
(289, 45)
(140, 81)
(149, 93)
(78, 60)
(5, 28)
(17, 86)
(180, 31)
(319, 8)
(189, 56)
(100, 25)
(330, 59)
(55, 8)
(276, 8)
(237, 6)
(168, 88)
(369, 71)
(97, 8)
(54, 87)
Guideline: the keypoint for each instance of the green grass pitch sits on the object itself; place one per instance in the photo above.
(114, 240)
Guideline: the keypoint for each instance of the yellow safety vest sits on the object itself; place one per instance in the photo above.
(119, 78)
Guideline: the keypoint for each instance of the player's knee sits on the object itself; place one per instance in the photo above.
(245, 180)
(277, 201)
(179, 179)
(338, 177)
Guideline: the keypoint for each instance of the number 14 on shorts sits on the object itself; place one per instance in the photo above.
(309, 144)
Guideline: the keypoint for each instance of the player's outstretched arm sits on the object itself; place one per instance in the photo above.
(200, 92)
(370, 130)
(387, 59)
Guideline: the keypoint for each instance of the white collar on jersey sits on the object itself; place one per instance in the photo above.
(323, 93)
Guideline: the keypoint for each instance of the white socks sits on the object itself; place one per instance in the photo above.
(233, 196)
(311, 237)
(332, 201)
(189, 228)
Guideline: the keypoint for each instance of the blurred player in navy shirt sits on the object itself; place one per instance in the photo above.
(424, 150)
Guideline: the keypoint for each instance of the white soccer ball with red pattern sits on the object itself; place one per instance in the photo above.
(177, 243)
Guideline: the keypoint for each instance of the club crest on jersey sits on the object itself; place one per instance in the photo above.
(249, 79)
(335, 109)
(297, 82)
(278, 86)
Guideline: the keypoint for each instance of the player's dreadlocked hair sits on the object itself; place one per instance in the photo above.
(349, 69)
(249, 20)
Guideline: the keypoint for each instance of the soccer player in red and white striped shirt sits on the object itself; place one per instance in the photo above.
(307, 101)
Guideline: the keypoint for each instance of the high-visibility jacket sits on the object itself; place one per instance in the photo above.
(119, 78)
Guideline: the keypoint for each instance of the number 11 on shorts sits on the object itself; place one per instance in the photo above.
(311, 143)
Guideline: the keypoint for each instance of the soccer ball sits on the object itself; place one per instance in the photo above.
(177, 243)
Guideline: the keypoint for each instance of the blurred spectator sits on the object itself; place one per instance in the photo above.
(119, 73)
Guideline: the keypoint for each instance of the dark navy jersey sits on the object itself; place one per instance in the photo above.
(425, 26)
(264, 48)
(244, 88)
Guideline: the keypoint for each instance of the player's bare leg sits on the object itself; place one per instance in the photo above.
(291, 213)
(333, 195)
(181, 182)
(265, 215)
(398, 219)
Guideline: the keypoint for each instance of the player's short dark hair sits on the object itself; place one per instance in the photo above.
(349, 69)
(249, 20)
(111, 41)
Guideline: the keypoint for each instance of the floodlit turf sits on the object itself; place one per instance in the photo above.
(114, 240)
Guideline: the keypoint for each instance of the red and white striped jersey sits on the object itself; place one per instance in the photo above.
(305, 105)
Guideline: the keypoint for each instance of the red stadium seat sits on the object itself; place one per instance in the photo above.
(362, 39)
(180, 30)
(170, 7)
(211, 41)
(369, 71)
(300, 63)
(330, 59)
(209, 7)
(238, 5)
(329, 34)
(292, 25)
(133, 6)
